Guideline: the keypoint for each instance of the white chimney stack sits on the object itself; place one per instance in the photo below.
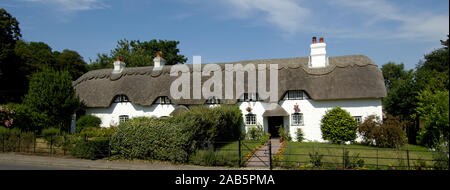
(318, 57)
(158, 61)
(119, 65)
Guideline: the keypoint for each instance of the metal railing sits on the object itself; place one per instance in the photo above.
(243, 153)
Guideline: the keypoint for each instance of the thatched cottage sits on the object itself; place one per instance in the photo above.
(307, 87)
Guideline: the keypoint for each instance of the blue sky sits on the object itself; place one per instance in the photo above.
(233, 30)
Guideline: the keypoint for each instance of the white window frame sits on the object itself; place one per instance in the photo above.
(249, 120)
(123, 118)
(358, 121)
(297, 121)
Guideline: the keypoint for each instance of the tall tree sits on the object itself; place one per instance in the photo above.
(70, 61)
(10, 77)
(52, 94)
(136, 53)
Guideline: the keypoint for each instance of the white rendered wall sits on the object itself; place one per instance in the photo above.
(314, 110)
(110, 116)
(258, 110)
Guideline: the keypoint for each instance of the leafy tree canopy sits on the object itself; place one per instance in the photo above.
(136, 54)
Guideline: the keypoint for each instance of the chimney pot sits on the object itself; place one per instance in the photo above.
(321, 39)
(314, 40)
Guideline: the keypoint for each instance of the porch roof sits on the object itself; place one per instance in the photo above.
(277, 111)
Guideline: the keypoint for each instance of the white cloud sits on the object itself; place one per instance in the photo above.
(286, 15)
(377, 19)
(424, 25)
(73, 5)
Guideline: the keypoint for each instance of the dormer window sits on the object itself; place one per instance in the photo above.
(250, 97)
(295, 95)
(163, 100)
(213, 100)
(121, 98)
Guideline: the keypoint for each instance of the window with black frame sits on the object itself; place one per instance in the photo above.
(121, 98)
(163, 100)
(295, 95)
(213, 100)
(250, 119)
(250, 97)
(123, 118)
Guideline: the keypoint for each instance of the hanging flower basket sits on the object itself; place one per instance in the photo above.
(249, 109)
(296, 108)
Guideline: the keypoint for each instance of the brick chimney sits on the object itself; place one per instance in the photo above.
(119, 65)
(318, 57)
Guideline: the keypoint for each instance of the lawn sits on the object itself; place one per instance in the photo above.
(297, 154)
(224, 154)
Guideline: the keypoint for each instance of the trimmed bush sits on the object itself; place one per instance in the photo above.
(221, 123)
(388, 134)
(338, 126)
(87, 121)
(91, 149)
(152, 138)
(98, 132)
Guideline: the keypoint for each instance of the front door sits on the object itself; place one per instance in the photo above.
(275, 123)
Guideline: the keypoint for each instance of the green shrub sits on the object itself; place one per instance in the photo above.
(338, 126)
(26, 141)
(221, 123)
(98, 132)
(316, 159)
(91, 149)
(300, 135)
(284, 135)
(152, 138)
(10, 138)
(52, 136)
(354, 161)
(257, 133)
(87, 121)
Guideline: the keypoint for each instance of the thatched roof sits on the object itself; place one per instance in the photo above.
(346, 77)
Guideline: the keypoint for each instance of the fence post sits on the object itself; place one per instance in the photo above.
(270, 154)
(109, 147)
(407, 157)
(34, 145)
(64, 148)
(51, 144)
(240, 158)
(343, 158)
(377, 158)
(19, 142)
